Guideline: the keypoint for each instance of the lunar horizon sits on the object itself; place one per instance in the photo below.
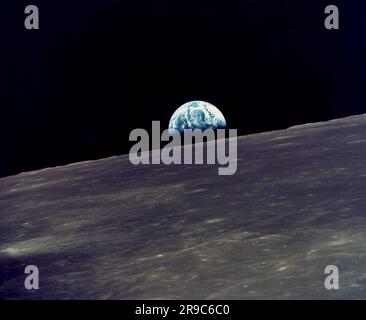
(106, 229)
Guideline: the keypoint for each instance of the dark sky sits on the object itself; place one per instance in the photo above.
(96, 70)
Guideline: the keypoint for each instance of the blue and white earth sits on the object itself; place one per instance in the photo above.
(197, 115)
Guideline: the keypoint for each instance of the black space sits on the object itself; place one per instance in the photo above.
(96, 70)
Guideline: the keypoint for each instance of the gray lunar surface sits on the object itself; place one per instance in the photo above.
(109, 230)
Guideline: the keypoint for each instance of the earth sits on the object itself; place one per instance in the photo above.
(197, 115)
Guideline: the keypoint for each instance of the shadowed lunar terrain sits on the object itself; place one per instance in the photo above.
(109, 230)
